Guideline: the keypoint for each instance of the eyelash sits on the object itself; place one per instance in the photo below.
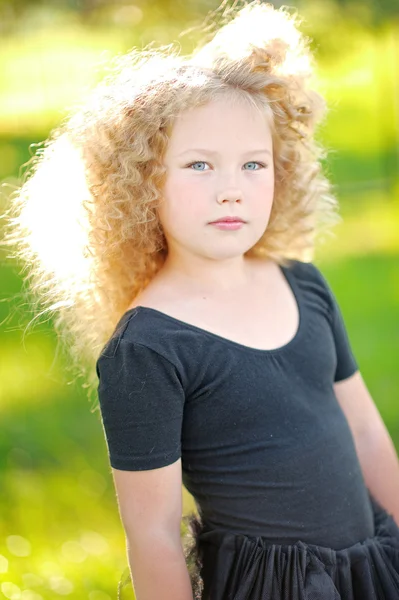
(195, 162)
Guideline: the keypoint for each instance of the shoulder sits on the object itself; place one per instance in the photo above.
(313, 283)
(140, 327)
(146, 336)
(309, 273)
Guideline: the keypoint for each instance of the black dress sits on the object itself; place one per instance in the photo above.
(265, 448)
(227, 566)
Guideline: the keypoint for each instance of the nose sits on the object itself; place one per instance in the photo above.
(231, 195)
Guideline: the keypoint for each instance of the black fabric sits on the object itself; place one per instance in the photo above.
(239, 567)
(265, 447)
(142, 402)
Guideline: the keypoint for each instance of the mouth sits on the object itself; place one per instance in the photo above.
(228, 220)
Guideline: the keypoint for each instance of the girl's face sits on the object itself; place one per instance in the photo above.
(219, 163)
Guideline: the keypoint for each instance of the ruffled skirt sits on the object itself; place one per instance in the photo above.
(228, 566)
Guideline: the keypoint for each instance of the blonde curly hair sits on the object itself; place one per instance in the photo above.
(84, 222)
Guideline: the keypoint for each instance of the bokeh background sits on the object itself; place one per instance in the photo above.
(60, 531)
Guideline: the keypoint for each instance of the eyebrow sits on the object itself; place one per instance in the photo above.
(213, 153)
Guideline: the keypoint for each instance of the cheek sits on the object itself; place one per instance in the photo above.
(262, 186)
(268, 187)
(264, 198)
(184, 200)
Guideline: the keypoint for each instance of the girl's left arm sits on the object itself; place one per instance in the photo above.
(374, 446)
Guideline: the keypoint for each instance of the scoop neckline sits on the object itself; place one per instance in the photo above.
(296, 293)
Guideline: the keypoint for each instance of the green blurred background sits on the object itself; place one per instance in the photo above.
(60, 531)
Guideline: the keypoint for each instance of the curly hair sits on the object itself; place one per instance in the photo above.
(84, 222)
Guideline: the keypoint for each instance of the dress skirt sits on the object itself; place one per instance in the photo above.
(229, 566)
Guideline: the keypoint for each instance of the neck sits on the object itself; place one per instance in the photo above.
(211, 277)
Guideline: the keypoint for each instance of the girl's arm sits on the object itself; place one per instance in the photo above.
(374, 446)
(150, 506)
(158, 569)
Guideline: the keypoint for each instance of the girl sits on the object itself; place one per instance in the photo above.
(195, 189)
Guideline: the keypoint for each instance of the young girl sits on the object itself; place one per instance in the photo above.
(195, 189)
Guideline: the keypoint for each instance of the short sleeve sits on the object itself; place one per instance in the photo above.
(346, 361)
(141, 401)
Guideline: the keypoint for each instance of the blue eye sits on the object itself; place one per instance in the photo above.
(254, 163)
(202, 163)
(197, 162)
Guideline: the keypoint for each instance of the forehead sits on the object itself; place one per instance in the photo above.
(224, 120)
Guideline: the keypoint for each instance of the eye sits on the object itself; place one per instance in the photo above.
(196, 163)
(261, 165)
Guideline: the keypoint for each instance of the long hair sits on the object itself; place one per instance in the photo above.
(84, 221)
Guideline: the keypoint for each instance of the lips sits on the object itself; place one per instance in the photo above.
(229, 220)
